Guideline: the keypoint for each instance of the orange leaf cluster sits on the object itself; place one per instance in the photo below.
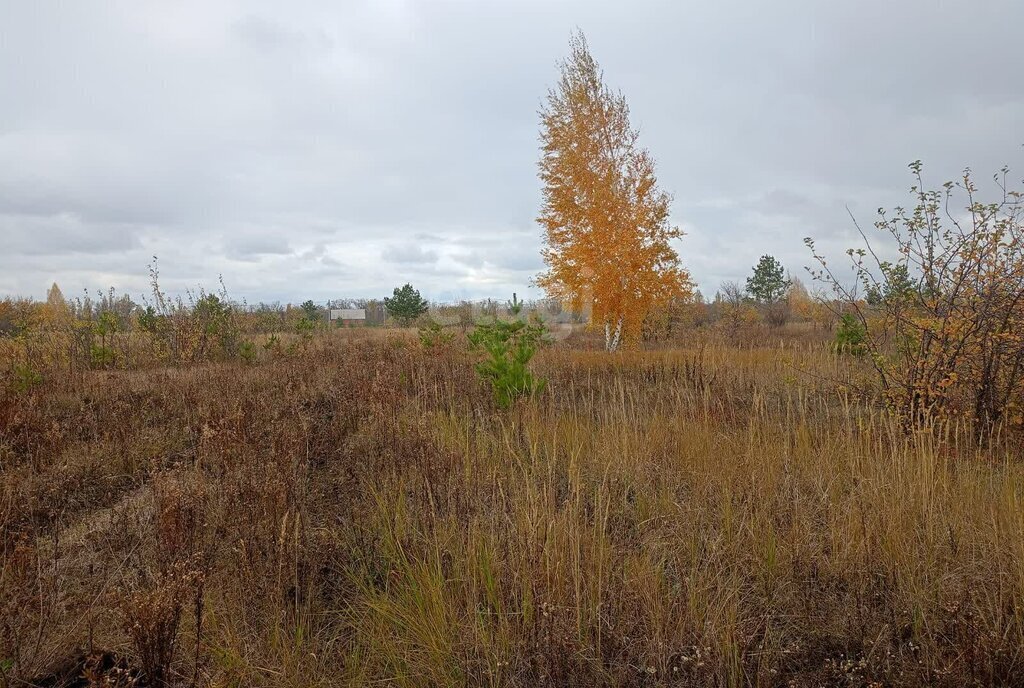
(606, 222)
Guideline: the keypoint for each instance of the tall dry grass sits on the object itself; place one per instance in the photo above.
(358, 513)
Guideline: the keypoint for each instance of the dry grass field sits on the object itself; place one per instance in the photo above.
(359, 513)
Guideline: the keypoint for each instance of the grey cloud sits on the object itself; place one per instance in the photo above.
(315, 252)
(264, 35)
(252, 247)
(521, 256)
(408, 253)
(783, 202)
(63, 235)
(330, 149)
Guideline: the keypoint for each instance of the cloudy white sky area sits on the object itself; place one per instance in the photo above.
(339, 148)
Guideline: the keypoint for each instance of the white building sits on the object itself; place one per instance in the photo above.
(349, 316)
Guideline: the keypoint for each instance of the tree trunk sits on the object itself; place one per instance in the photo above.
(612, 337)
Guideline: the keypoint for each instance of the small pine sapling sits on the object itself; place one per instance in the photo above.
(508, 346)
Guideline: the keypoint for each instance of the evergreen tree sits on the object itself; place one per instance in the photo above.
(768, 284)
(405, 305)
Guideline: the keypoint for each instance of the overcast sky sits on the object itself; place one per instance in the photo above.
(339, 148)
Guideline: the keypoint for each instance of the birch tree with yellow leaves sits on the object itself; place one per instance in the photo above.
(607, 233)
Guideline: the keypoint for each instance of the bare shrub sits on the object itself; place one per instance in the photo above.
(776, 314)
(172, 582)
(152, 613)
(946, 331)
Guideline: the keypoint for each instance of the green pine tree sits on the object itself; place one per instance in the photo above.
(405, 305)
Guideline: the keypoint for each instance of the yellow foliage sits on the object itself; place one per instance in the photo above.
(606, 222)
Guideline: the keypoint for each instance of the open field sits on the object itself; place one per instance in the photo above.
(359, 513)
(752, 416)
